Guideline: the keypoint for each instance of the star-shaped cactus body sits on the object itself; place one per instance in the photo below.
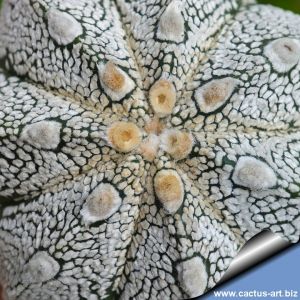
(142, 143)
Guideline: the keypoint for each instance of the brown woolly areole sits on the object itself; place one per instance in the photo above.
(115, 82)
(169, 189)
(124, 136)
(217, 93)
(177, 143)
(214, 94)
(112, 77)
(162, 97)
(102, 203)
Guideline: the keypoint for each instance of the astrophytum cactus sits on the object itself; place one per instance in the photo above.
(142, 143)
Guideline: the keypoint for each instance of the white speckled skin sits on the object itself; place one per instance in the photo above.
(55, 112)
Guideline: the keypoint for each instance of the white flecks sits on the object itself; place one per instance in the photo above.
(63, 28)
(253, 174)
(116, 83)
(214, 94)
(177, 143)
(283, 53)
(169, 190)
(171, 23)
(42, 135)
(102, 203)
(193, 276)
(41, 267)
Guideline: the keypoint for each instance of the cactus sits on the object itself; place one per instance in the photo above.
(142, 143)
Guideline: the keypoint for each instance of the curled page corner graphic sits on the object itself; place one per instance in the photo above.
(258, 249)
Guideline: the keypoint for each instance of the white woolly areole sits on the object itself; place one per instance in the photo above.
(63, 27)
(102, 203)
(41, 267)
(283, 53)
(149, 147)
(253, 174)
(177, 143)
(171, 23)
(123, 91)
(193, 276)
(154, 141)
(214, 94)
(169, 190)
(42, 135)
